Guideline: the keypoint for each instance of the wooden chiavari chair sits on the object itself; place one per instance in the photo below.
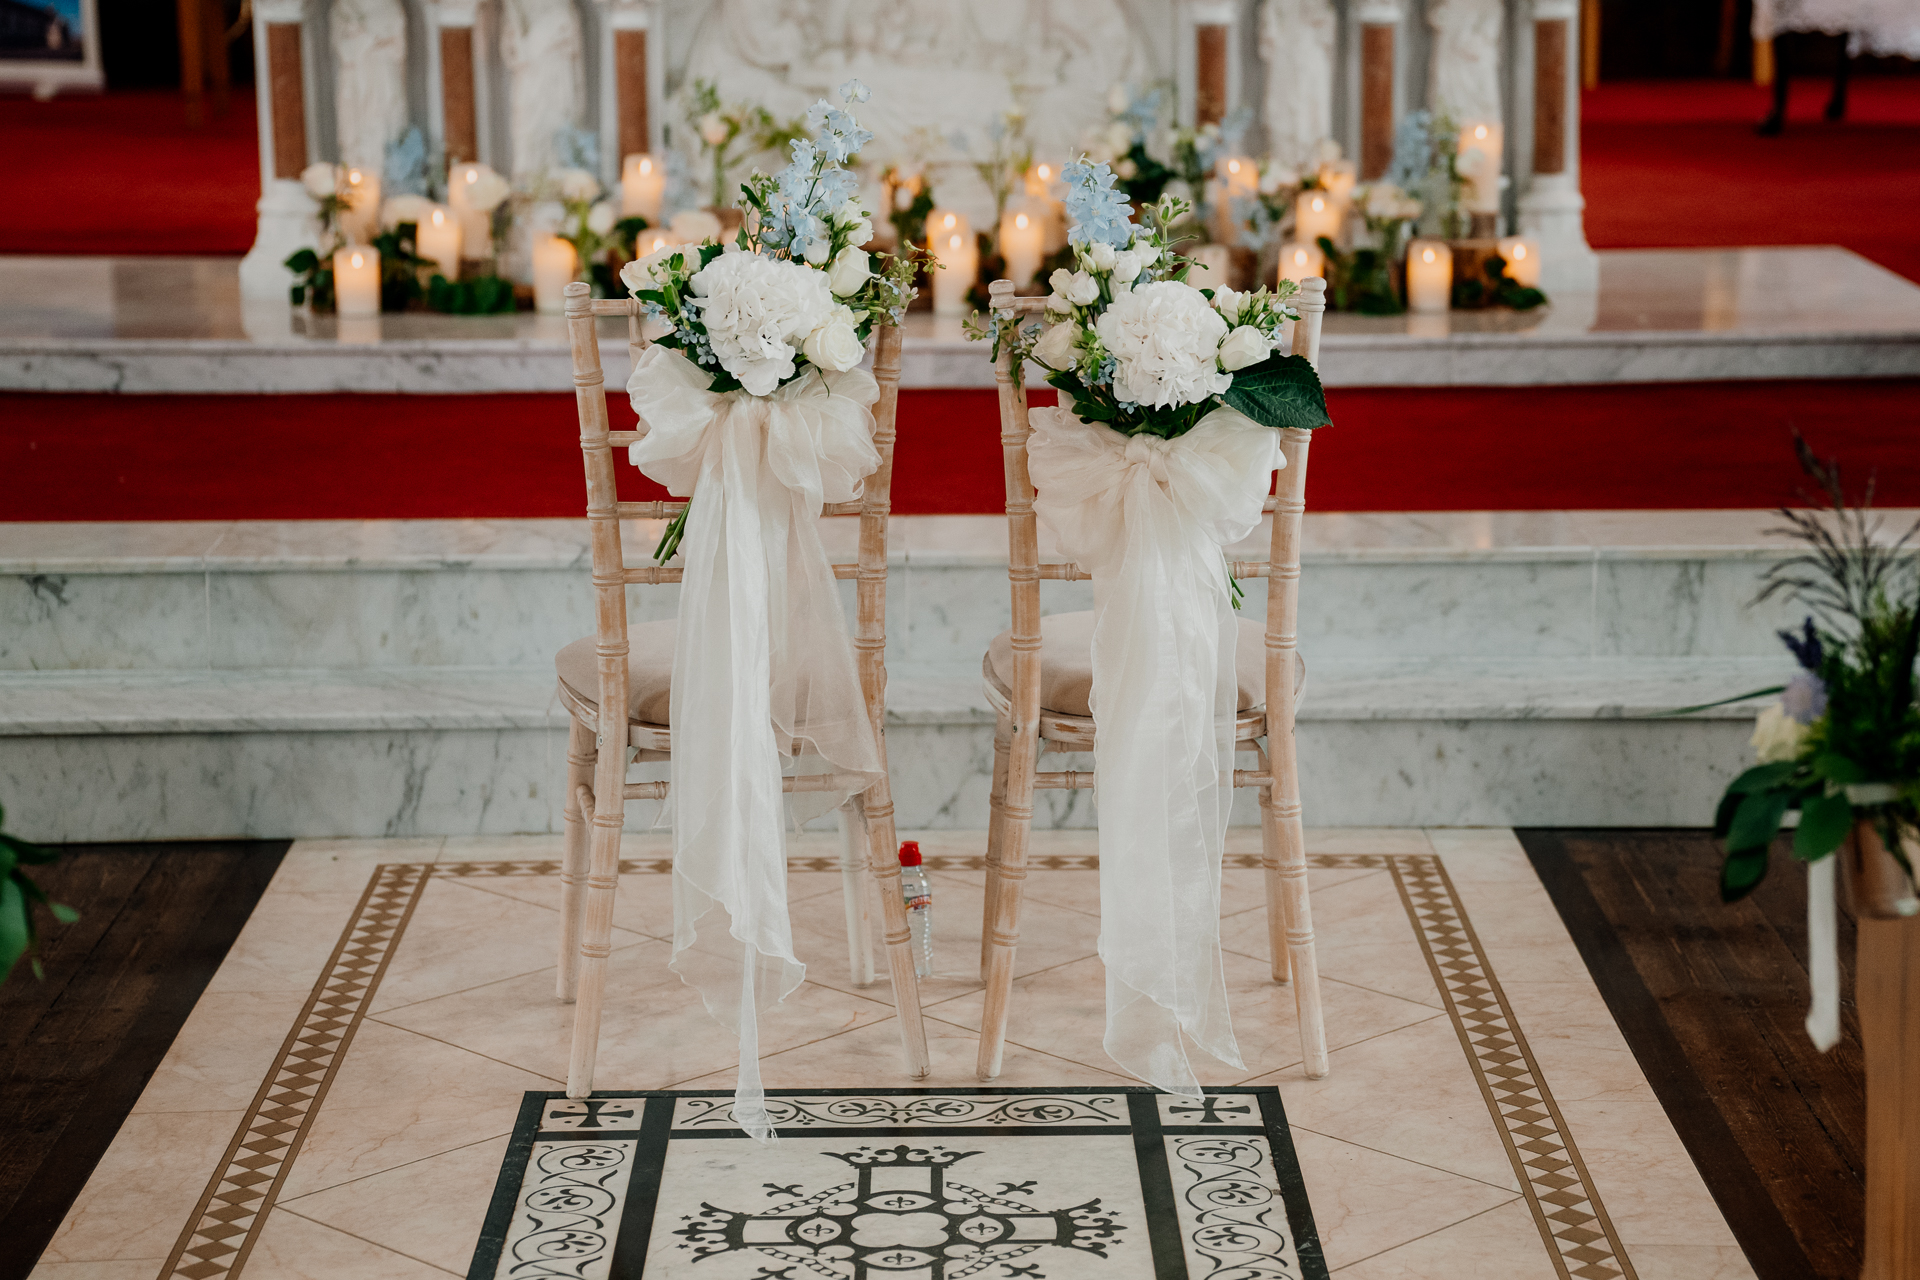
(625, 703)
(1017, 669)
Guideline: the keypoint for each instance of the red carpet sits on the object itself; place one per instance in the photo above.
(1545, 448)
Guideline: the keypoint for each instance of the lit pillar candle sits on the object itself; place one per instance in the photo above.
(652, 241)
(476, 228)
(1022, 242)
(362, 216)
(356, 281)
(959, 258)
(553, 268)
(439, 239)
(1429, 276)
(1235, 178)
(1209, 270)
(1522, 254)
(1040, 196)
(1298, 260)
(1480, 143)
(1316, 213)
(1338, 178)
(642, 186)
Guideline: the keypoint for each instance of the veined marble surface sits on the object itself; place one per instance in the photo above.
(158, 325)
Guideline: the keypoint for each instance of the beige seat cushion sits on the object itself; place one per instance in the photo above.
(649, 670)
(1066, 663)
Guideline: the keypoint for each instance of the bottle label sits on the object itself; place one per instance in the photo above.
(920, 903)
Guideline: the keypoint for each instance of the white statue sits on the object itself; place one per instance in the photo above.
(1296, 42)
(1465, 81)
(370, 84)
(540, 45)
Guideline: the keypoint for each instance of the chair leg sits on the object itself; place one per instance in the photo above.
(996, 833)
(853, 889)
(1299, 918)
(596, 942)
(573, 865)
(1277, 922)
(1003, 928)
(884, 858)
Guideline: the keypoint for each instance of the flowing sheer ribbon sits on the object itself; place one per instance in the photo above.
(761, 658)
(1148, 518)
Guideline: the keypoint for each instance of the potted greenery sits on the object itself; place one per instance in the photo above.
(18, 894)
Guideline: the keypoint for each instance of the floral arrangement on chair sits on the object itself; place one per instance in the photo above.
(1136, 348)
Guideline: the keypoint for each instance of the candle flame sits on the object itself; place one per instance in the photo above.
(646, 164)
(955, 242)
(1021, 221)
(353, 176)
(1480, 132)
(1046, 173)
(438, 217)
(355, 262)
(1519, 252)
(472, 174)
(1319, 204)
(1426, 255)
(950, 223)
(1233, 166)
(1299, 257)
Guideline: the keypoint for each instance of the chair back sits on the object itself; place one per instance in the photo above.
(605, 511)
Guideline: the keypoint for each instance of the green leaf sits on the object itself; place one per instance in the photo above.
(1741, 872)
(16, 930)
(1723, 816)
(1837, 768)
(1762, 776)
(1280, 392)
(1757, 820)
(1824, 822)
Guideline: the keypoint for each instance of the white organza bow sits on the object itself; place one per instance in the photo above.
(761, 658)
(1147, 518)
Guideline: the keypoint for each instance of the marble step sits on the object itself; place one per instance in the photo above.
(129, 755)
(433, 593)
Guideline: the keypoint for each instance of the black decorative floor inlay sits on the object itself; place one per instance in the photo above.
(903, 1184)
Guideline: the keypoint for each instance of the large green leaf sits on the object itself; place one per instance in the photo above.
(1280, 392)
(1824, 823)
(16, 930)
(1757, 820)
(1762, 776)
(1741, 872)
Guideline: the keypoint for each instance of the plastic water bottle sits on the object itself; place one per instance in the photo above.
(919, 895)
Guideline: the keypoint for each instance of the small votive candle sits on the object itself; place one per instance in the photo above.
(476, 228)
(959, 259)
(1317, 213)
(1338, 178)
(643, 183)
(1480, 144)
(439, 240)
(1210, 263)
(1429, 276)
(361, 218)
(652, 241)
(1522, 254)
(1023, 240)
(356, 281)
(1300, 261)
(553, 268)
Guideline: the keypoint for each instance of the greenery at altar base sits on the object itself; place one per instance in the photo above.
(18, 897)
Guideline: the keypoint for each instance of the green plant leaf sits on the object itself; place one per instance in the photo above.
(1723, 816)
(1837, 768)
(16, 930)
(1741, 872)
(1762, 776)
(62, 912)
(1824, 823)
(1280, 392)
(1757, 820)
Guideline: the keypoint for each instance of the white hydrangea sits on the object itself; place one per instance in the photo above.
(758, 311)
(576, 184)
(1165, 339)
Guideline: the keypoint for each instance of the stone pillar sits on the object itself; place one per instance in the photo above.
(459, 101)
(286, 210)
(1379, 22)
(1552, 207)
(1212, 54)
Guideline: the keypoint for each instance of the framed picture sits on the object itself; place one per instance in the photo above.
(50, 44)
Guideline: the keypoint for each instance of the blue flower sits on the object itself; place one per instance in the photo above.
(854, 91)
(1805, 698)
(1100, 214)
(1806, 646)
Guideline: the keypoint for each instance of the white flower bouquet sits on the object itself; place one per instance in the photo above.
(1143, 352)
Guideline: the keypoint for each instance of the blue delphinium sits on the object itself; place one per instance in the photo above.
(1805, 698)
(1099, 213)
(809, 193)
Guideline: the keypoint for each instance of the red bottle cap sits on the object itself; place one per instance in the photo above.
(909, 853)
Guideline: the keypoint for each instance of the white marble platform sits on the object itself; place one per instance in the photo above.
(165, 325)
(175, 680)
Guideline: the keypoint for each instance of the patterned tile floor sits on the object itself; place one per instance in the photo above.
(340, 1101)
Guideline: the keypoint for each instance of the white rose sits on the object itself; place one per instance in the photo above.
(576, 184)
(694, 226)
(601, 217)
(1777, 736)
(849, 271)
(1244, 346)
(406, 208)
(1126, 266)
(1100, 256)
(817, 252)
(487, 190)
(643, 273)
(1077, 287)
(713, 129)
(1278, 178)
(835, 346)
(1228, 304)
(854, 218)
(1055, 348)
(758, 311)
(1165, 340)
(320, 179)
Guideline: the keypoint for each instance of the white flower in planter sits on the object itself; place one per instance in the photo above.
(1777, 736)
(1166, 339)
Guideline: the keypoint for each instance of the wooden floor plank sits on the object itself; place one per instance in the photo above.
(1712, 998)
(77, 1048)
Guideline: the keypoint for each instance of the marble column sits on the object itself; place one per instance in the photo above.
(1553, 207)
(286, 211)
(459, 99)
(1379, 22)
(1212, 45)
(627, 22)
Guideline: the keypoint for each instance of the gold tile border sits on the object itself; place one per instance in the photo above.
(1566, 1206)
(220, 1234)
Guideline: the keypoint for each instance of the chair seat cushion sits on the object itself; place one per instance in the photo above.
(649, 670)
(1066, 663)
